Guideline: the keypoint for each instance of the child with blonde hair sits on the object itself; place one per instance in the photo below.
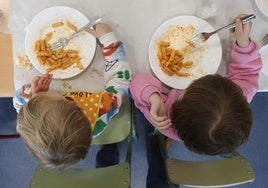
(57, 128)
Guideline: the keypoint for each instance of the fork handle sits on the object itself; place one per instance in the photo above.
(91, 23)
(245, 20)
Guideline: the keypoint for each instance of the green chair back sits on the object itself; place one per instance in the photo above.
(218, 173)
(214, 173)
(119, 128)
(117, 176)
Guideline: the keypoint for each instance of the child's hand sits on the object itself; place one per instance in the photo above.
(100, 30)
(41, 83)
(158, 112)
(38, 84)
(242, 31)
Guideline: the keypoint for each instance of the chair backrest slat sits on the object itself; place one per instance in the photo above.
(217, 173)
(114, 176)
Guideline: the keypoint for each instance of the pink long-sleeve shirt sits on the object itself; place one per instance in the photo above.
(243, 70)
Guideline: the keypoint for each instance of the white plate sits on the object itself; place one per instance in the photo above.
(210, 59)
(263, 6)
(40, 25)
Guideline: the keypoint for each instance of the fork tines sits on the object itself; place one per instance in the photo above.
(56, 46)
(197, 39)
(264, 40)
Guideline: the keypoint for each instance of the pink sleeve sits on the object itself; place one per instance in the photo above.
(244, 69)
(141, 87)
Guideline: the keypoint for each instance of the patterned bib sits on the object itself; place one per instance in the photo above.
(89, 102)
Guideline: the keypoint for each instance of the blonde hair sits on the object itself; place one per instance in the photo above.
(55, 130)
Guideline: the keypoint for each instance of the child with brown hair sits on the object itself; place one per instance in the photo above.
(57, 129)
(212, 115)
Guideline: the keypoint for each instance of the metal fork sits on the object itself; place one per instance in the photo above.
(202, 37)
(62, 42)
(264, 40)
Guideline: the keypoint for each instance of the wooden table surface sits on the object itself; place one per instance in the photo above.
(6, 69)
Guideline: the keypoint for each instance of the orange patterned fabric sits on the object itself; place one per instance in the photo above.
(89, 102)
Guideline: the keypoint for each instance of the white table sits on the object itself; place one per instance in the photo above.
(134, 22)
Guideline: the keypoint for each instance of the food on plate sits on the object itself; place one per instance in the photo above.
(57, 24)
(71, 26)
(60, 59)
(41, 28)
(171, 60)
(176, 56)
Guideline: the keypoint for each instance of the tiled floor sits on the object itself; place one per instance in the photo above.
(17, 166)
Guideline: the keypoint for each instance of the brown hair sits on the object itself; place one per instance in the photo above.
(55, 130)
(213, 116)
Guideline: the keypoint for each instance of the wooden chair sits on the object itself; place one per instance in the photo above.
(116, 176)
(216, 173)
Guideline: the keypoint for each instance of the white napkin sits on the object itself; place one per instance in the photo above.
(264, 57)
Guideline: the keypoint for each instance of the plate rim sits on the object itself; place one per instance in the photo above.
(259, 4)
(151, 44)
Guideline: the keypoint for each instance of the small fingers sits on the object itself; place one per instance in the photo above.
(239, 23)
(45, 79)
(157, 118)
(35, 81)
(240, 16)
(161, 122)
(247, 27)
(164, 125)
(94, 31)
(91, 31)
(100, 30)
(238, 26)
